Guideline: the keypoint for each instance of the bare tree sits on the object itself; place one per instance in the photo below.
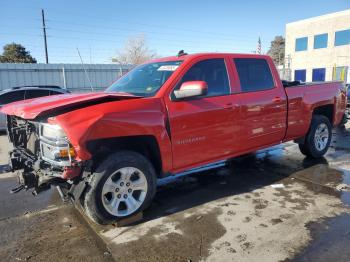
(135, 52)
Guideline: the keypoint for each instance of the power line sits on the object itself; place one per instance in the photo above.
(227, 37)
(178, 43)
(111, 19)
(127, 35)
(127, 31)
(220, 43)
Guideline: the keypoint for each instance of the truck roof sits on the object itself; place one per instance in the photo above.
(212, 54)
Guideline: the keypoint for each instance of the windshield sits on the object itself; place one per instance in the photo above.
(145, 80)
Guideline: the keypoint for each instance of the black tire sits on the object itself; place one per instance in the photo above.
(92, 200)
(308, 148)
(303, 149)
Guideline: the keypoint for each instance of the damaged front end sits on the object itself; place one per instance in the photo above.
(42, 156)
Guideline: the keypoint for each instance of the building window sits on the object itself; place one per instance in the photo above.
(318, 74)
(340, 73)
(320, 41)
(301, 44)
(300, 75)
(342, 38)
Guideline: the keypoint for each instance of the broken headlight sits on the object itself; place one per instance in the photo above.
(54, 145)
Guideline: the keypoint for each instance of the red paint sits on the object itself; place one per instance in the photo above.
(71, 172)
(202, 130)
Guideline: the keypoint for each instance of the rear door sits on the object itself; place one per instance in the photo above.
(263, 103)
(202, 128)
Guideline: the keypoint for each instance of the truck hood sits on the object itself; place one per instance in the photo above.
(58, 104)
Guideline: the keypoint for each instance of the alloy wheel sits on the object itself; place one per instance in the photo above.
(321, 137)
(124, 191)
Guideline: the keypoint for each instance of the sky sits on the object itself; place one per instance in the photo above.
(100, 28)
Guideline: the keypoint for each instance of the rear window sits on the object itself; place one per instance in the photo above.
(254, 74)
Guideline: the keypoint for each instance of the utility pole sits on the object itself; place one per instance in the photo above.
(44, 31)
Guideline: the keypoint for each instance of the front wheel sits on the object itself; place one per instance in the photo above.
(122, 186)
(318, 138)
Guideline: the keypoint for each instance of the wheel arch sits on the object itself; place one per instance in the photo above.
(146, 145)
(325, 110)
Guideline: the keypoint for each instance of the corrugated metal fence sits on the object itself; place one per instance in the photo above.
(70, 76)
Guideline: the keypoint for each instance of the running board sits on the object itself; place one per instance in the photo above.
(168, 179)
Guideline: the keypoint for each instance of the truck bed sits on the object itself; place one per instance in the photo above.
(303, 97)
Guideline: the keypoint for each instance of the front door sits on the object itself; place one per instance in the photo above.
(202, 128)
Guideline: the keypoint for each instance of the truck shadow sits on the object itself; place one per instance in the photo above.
(241, 175)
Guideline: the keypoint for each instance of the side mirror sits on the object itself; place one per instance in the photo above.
(191, 89)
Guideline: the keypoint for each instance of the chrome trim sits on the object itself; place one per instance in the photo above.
(56, 162)
(60, 144)
(169, 179)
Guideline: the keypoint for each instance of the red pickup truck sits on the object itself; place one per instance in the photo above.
(172, 115)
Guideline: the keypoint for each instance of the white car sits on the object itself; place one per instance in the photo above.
(25, 92)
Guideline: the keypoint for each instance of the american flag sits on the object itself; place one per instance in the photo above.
(258, 47)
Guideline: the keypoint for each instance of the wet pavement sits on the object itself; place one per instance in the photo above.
(275, 205)
(330, 241)
(42, 228)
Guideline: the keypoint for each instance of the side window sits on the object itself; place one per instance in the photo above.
(11, 97)
(213, 72)
(254, 74)
(36, 93)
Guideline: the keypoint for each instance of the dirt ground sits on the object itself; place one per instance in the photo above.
(274, 205)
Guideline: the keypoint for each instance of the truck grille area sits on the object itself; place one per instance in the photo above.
(34, 172)
(24, 136)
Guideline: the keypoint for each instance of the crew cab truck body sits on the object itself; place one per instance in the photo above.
(172, 115)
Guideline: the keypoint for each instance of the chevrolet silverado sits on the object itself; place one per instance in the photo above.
(169, 116)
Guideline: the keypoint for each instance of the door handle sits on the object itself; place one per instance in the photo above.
(277, 99)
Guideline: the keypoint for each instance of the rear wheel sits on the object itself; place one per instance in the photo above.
(122, 186)
(318, 138)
